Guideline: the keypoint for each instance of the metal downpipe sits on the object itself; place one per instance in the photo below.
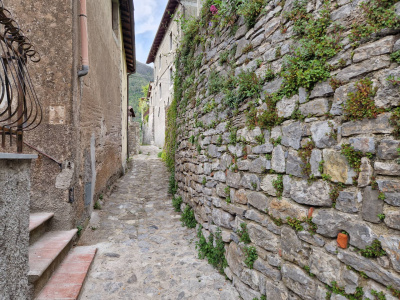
(84, 40)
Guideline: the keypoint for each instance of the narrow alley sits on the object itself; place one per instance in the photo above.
(143, 251)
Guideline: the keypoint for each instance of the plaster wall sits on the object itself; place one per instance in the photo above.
(85, 119)
(14, 224)
(164, 68)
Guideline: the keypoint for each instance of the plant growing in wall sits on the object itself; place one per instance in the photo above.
(188, 218)
(360, 104)
(176, 203)
(244, 234)
(215, 255)
(251, 255)
(373, 251)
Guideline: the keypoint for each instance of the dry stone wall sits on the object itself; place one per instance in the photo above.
(302, 183)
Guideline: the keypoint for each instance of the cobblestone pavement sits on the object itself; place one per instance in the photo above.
(143, 251)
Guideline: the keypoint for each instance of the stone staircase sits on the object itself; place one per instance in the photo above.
(56, 271)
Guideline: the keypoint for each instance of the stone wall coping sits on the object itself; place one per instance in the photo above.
(17, 156)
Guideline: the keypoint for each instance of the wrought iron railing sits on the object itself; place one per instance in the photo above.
(20, 109)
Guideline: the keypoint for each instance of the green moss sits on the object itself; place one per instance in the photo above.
(278, 185)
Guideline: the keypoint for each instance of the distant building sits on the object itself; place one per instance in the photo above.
(162, 54)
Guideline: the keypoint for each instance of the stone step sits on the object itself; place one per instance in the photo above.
(37, 225)
(67, 281)
(46, 255)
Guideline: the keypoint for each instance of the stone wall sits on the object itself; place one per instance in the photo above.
(14, 225)
(292, 184)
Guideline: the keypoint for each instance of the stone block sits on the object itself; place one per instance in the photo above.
(273, 86)
(366, 172)
(286, 106)
(283, 208)
(367, 66)
(263, 238)
(298, 281)
(387, 149)
(321, 89)
(294, 164)
(392, 217)
(291, 135)
(363, 144)
(330, 222)
(368, 126)
(240, 196)
(391, 188)
(278, 159)
(321, 134)
(250, 181)
(390, 243)
(371, 205)
(382, 168)
(326, 267)
(315, 194)
(369, 267)
(315, 159)
(267, 184)
(263, 149)
(387, 95)
(336, 165)
(263, 267)
(317, 107)
(258, 200)
(382, 46)
(259, 165)
(232, 179)
(222, 218)
(292, 247)
(348, 202)
(276, 291)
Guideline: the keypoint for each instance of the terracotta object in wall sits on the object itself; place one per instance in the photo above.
(342, 240)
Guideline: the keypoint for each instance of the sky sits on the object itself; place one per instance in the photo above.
(148, 14)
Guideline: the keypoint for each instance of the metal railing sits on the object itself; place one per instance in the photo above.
(20, 109)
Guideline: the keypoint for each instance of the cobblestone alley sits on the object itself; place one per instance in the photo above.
(143, 251)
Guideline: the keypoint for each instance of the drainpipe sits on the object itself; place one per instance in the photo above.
(84, 40)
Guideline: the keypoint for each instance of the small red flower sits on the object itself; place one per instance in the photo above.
(213, 10)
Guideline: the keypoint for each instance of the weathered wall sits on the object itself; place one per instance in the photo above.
(52, 28)
(161, 95)
(134, 138)
(230, 177)
(85, 120)
(147, 131)
(14, 227)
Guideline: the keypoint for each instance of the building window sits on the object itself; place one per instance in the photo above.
(159, 62)
(170, 41)
(160, 91)
(115, 16)
(171, 75)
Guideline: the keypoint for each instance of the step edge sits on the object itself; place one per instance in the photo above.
(33, 277)
(48, 217)
(84, 280)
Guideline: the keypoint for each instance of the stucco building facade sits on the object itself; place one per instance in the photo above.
(162, 54)
(85, 125)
